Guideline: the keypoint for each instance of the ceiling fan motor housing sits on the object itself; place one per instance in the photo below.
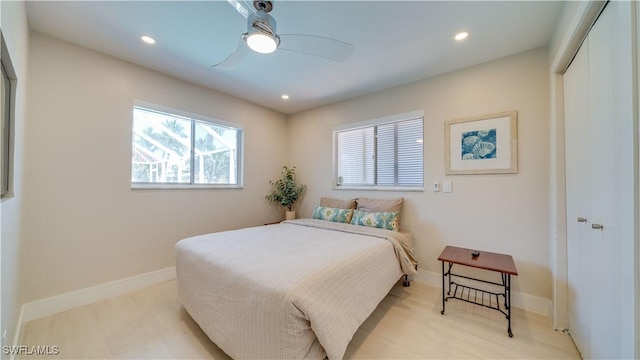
(263, 22)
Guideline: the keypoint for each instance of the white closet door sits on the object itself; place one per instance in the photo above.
(597, 86)
(603, 269)
(576, 104)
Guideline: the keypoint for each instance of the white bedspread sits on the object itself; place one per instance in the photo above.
(295, 290)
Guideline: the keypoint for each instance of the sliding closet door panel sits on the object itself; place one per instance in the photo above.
(626, 163)
(602, 120)
(576, 104)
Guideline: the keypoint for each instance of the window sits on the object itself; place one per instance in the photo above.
(171, 150)
(7, 91)
(381, 153)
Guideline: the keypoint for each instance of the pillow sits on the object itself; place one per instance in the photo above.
(382, 220)
(337, 203)
(332, 214)
(379, 205)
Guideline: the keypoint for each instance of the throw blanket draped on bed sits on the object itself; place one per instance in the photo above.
(299, 289)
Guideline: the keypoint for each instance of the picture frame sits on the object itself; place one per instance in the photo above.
(486, 144)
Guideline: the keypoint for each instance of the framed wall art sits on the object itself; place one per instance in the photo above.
(485, 144)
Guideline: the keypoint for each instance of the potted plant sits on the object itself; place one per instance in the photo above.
(286, 192)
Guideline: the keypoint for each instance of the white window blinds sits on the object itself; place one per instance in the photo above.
(383, 153)
(356, 157)
(410, 153)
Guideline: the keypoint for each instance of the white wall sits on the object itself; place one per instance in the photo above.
(500, 213)
(85, 225)
(16, 33)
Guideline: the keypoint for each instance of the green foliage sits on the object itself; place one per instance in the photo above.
(211, 161)
(216, 164)
(285, 191)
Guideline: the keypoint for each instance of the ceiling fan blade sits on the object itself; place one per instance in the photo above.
(237, 55)
(245, 8)
(319, 46)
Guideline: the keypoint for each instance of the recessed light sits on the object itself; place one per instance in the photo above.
(285, 97)
(461, 36)
(148, 39)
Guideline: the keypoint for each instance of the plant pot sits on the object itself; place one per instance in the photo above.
(290, 215)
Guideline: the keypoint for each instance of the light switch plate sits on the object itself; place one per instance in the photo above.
(436, 186)
(446, 186)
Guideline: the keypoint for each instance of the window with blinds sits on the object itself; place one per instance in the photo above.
(384, 152)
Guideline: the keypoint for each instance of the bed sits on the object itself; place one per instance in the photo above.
(294, 290)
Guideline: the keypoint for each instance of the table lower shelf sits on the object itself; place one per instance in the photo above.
(477, 296)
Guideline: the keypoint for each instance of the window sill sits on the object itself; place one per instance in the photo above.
(181, 186)
(380, 188)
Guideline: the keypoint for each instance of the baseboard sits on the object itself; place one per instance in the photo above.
(520, 300)
(55, 304)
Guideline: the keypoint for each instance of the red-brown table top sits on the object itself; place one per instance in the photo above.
(486, 260)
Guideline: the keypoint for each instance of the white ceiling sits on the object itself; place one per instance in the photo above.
(395, 42)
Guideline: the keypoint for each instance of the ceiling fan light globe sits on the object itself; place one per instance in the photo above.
(262, 43)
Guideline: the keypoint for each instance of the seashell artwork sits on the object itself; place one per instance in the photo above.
(479, 144)
(483, 133)
(470, 141)
(482, 149)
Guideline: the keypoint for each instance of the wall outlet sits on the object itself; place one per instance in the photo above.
(446, 186)
(436, 186)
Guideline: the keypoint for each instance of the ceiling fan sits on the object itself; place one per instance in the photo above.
(261, 37)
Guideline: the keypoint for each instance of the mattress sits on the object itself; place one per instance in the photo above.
(295, 290)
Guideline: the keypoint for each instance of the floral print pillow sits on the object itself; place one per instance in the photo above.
(332, 214)
(382, 220)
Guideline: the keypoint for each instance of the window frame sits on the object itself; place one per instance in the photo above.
(193, 118)
(374, 123)
(8, 122)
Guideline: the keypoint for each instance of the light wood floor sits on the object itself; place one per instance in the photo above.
(151, 324)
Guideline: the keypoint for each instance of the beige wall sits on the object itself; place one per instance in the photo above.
(501, 213)
(85, 225)
(16, 33)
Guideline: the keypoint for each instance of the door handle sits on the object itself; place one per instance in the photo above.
(581, 219)
(597, 226)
